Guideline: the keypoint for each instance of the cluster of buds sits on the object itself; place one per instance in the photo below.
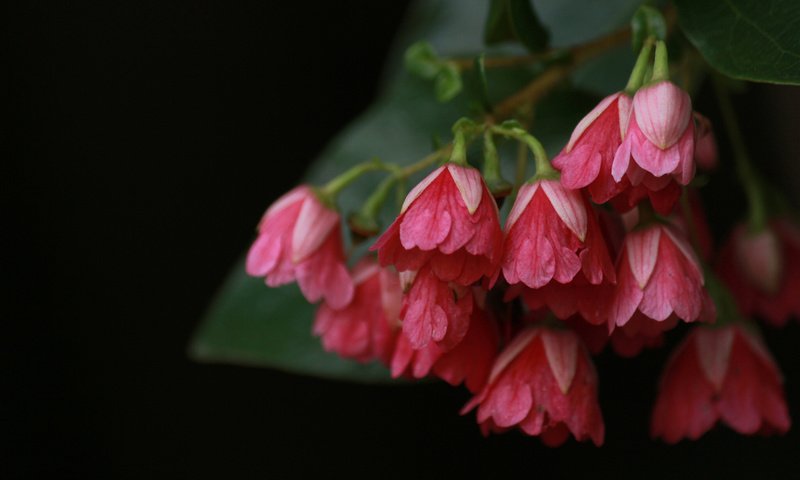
(606, 245)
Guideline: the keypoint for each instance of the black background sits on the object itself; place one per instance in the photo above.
(145, 140)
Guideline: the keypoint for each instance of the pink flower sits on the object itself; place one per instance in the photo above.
(545, 384)
(659, 140)
(469, 362)
(720, 373)
(658, 275)
(450, 221)
(299, 238)
(435, 311)
(367, 327)
(586, 160)
(663, 199)
(551, 235)
(762, 270)
(628, 341)
(705, 149)
(577, 297)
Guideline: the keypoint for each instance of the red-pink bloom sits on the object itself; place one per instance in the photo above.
(586, 160)
(435, 311)
(563, 301)
(299, 238)
(367, 327)
(628, 341)
(663, 195)
(720, 373)
(705, 149)
(552, 234)
(469, 362)
(659, 140)
(545, 384)
(450, 221)
(762, 270)
(658, 275)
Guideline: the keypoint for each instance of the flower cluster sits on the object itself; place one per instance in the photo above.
(606, 245)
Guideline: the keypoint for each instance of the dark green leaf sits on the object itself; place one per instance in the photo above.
(647, 21)
(254, 325)
(250, 324)
(515, 20)
(757, 40)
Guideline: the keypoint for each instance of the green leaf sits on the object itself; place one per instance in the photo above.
(515, 20)
(448, 83)
(421, 60)
(251, 324)
(756, 40)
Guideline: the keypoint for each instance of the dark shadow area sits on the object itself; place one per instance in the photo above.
(145, 141)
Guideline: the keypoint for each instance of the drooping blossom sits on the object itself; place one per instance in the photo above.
(435, 311)
(663, 195)
(657, 275)
(627, 341)
(469, 362)
(544, 383)
(720, 374)
(449, 221)
(367, 328)
(552, 235)
(706, 154)
(586, 160)
(659, 143)
(299, 239)
(762, 270)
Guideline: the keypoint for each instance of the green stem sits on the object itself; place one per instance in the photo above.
(640, 67)
(491, 168)
(522, 165)
(747, 175)
(544, 171)
(459, 153)
(426, 162)
(365, 221)
(661, 63)
(340, 182)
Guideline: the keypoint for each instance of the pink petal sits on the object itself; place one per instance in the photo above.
(524, 197)
(263, 255)
(512, 350)
(589, 119)
(625, 107)
(569, 206)
(512, 402)
(663, 112)
(561, 349)
(759, 258)
(714, 350)
(314, 224)
(642, 250)
(297, 194)
(419, 188)
(425, 227)
(622, 159)
(470, 185)
(578, 167)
